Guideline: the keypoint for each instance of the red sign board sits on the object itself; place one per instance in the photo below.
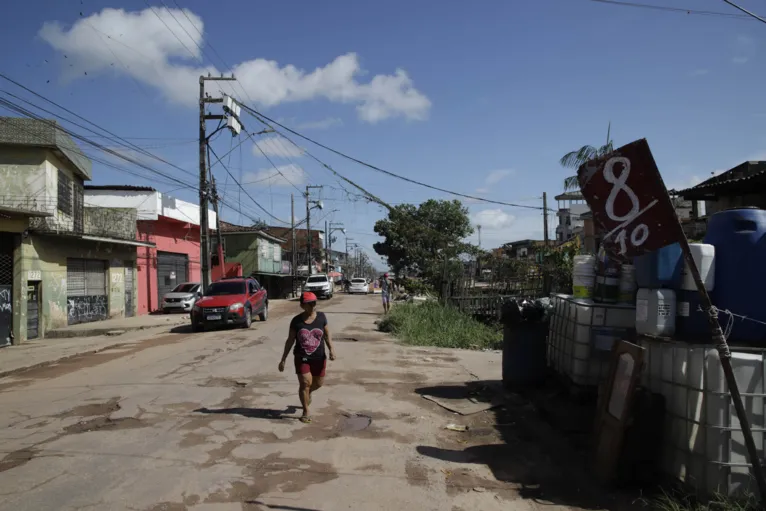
(629, 201)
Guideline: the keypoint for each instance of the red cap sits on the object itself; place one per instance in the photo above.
(308, 297)
(386, 275)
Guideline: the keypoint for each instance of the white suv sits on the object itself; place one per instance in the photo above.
(320, 285)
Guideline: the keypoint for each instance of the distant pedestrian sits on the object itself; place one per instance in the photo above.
(309, 332)
(386, 290)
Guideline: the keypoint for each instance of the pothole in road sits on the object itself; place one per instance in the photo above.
(102, 423)
(92, 409)
(351, 423)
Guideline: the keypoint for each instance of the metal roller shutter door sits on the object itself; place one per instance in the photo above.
(172, 269)
(86, 291)
(6, 288)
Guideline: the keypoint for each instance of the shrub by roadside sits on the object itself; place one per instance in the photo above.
(433, 324)
(678, 501)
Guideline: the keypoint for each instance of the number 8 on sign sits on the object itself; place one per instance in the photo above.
(640, 233)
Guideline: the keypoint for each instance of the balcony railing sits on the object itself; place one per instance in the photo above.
(117, 223)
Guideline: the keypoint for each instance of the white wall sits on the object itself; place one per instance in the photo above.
(149, 205)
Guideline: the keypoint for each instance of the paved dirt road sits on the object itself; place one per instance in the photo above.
(205, 421)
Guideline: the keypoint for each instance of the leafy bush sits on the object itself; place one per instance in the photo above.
(417, 287)
(433, 324)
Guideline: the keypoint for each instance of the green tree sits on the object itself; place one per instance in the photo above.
(575, 159)
(417, 239)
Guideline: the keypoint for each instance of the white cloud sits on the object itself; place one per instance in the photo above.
(284, 175)
(496, 176)
(740, 60)
(699, 72)
(276, 147)
(139, 44)
(492, 219)
(528, 226)
(482, 190)
(323, 124)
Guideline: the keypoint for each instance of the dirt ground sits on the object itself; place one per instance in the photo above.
(187, 421)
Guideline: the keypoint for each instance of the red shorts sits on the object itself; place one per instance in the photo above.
(315, 367)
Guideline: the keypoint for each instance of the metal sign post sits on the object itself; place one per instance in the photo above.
(625, 191)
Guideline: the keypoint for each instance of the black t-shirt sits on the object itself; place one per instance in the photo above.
(309, 337)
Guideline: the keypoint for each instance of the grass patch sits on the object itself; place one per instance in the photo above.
(678, 501)
(433, 324)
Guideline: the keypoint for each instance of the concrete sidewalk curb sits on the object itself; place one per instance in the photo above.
(39, 365)
(95, 332)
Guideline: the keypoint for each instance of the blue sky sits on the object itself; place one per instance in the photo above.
(478, 97)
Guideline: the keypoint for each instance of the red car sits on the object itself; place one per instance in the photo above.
(232, 301)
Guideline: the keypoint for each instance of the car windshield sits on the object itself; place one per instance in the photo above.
(317, 278)
(185, 288)
(236, 287)
(358, 281)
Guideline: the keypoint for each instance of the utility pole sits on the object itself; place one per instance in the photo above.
(219, 236)
(308, 223)
(545, 219)
(203, 185)
(326, 245)
(330, 229)
(294, 254)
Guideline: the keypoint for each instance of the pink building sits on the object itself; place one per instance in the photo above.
(171, 224)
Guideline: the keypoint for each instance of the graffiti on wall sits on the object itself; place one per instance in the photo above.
(84, 309)
(6, 300)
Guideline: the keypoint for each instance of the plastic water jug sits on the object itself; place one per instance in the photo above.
(656, 312)
(738, 236)
(659, 269)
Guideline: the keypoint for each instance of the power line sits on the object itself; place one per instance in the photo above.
(114, 137)
(243, 189)
(24, 112)
(752, 15)
(679, 10)
(257, 114)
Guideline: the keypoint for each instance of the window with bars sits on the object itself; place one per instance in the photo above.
(64, 193)
(79, 202)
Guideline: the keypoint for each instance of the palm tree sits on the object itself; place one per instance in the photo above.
(575, 159)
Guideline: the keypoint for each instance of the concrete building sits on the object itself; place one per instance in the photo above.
(572, 206)
(301, 244)
(260, 255)
(168, 227)
(60, 262)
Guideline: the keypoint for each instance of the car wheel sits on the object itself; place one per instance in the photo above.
(248, 318)
(264, 315)
(196, 327)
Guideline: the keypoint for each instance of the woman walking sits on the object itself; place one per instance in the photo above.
(309, 332)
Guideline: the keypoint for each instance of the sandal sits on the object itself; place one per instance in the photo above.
(305, 419)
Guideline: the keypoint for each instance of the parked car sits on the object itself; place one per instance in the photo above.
(359, 285)
(320, 285)
(231, 301)
(181, 298)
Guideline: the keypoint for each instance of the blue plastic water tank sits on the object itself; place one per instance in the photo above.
(691, 323)
(739, 238)
(660, 269)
